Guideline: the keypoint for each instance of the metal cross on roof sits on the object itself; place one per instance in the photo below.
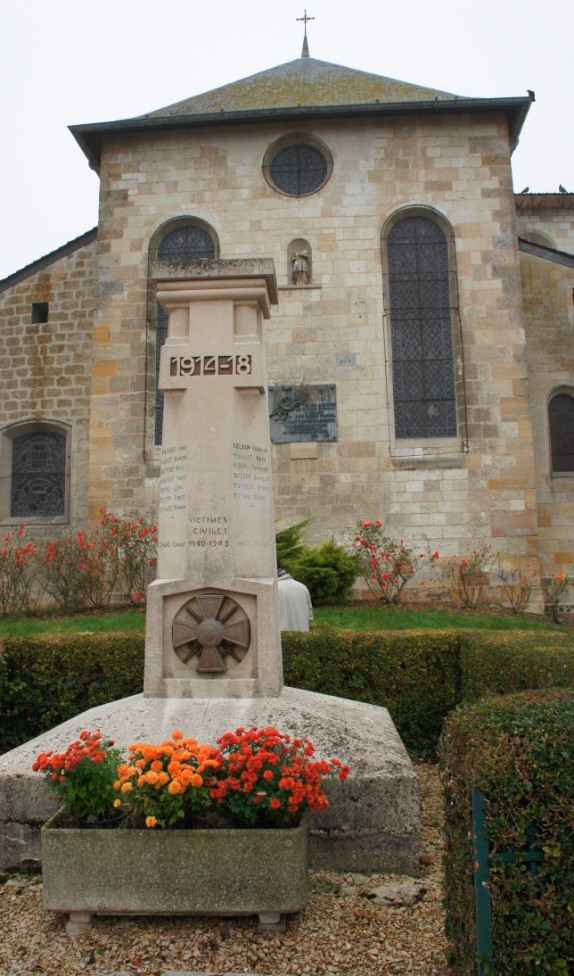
(305, 19)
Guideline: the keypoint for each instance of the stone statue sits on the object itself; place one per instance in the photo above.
(301, 268)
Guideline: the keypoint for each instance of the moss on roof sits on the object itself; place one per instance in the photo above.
(303, 82)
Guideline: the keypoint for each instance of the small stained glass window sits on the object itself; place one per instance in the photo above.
(561, 422)
(38, 475)
(297, 165)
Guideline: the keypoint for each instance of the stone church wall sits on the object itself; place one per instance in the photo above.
(449, 493)
(549, 216)
(549, 312)
(45, 366)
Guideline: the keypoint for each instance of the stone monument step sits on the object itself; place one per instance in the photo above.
(371, 825)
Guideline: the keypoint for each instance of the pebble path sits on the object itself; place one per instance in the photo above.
(376, 925)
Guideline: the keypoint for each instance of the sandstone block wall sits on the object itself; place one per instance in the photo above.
(449, 493)
(45, 367)
(549, 313)
(550, 216)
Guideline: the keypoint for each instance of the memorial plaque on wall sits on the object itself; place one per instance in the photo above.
(303, 413)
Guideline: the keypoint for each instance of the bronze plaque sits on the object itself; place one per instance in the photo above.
(303, 413)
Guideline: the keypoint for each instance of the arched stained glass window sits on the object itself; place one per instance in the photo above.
(561, 423)
(38, 475)
(421, 329)
(186, 242)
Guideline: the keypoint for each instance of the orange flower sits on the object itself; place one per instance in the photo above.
(150, 821)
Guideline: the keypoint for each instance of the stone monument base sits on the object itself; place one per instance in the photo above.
(372, 823)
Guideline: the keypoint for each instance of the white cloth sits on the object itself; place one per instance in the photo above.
(295, 607)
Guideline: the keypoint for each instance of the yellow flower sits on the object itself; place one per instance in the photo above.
(117, 803)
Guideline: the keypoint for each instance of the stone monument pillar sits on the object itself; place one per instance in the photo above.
(213, 647)
(212, 613)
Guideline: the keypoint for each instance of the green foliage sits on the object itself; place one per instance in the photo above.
(290, 545)
(500, 664)
(520, 750)
(82, 778)
(392, 617)
(47, 680)
(418, 675)
(415, 675)
(100, 622)
(327, 570)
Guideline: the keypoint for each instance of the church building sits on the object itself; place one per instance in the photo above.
(419, 355)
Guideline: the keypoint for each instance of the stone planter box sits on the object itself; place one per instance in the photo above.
(173, 872)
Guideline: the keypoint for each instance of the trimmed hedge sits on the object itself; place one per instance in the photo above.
(415, 674)
(418, 675)
(45, 680)
(520, 751)
(497, 663)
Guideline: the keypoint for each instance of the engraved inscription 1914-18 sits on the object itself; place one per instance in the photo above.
(238, 365)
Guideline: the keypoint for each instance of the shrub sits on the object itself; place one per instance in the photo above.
(554, 590)
(503, 663)
(467, 575)
(327, 570)
(49, 679)
(129, 546)
(520, 751)
(18, 573)
(415, 674)
(516, 587)
(384, 564)
(62, 573)
(290, 545)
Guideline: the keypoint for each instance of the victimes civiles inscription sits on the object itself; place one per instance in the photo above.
(303, 413)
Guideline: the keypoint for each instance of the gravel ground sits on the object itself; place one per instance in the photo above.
(346, 927)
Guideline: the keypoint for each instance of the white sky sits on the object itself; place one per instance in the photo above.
(64, 62)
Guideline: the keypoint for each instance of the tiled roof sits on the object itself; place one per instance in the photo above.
(302, 89)
(549, 253)
(304, 82)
